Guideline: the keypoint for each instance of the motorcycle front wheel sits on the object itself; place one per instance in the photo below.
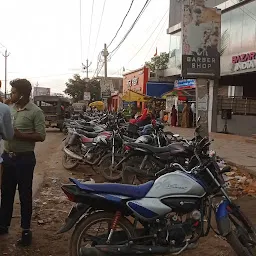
(243, 236)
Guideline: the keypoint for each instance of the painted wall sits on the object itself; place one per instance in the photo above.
(240, 125)
(136, 80)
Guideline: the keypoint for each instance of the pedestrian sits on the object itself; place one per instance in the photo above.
(19, 158)
(173, 116)
(185, 116)
(6, 130)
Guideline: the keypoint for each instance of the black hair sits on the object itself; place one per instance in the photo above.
(23, 86)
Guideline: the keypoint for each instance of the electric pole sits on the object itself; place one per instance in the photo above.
(6, 55)
(86, 67)
(105, 55)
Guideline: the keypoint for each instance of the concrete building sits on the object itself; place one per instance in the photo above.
(238, 61)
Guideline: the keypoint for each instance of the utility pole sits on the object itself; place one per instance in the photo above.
(86, 67)
(105, 55)
(6, 55)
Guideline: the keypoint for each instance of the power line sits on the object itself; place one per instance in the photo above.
(148, 37)
(2, 45)
(134, 23)
(88, 52)
(122, 23)
(103, 9)
(157, 37)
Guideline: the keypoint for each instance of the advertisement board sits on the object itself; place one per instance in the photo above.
(201, 38)
(87, 96)
(185, 84)
(39, 91)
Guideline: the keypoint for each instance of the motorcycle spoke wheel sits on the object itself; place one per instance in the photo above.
(108, 170)
(68, 162)
(94, 230)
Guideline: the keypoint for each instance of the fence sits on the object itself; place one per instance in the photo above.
(239, 106)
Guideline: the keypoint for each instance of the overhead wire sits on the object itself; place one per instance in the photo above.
(130, 29)
(122, 23)
(88, 51)
(157, 37)
(148, 37)
(102, 13)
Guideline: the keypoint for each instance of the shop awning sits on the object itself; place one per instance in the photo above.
(131, 96)
(181, 95)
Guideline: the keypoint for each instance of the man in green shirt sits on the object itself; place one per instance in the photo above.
(19, 159)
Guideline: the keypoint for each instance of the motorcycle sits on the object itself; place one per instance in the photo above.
(162, 216)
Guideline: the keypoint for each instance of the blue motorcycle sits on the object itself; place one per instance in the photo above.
(163, 216)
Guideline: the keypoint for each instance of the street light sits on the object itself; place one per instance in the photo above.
(6, 55)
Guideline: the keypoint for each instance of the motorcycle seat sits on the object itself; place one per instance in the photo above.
(173, 149)
(87, 134)
(132, 191)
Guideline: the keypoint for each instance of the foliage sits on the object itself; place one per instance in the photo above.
(76, 86)
(158, 62)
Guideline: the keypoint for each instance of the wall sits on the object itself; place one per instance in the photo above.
(240, 125)
(136, 80)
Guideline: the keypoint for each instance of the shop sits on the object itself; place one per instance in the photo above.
(115, 101)
(136, 81)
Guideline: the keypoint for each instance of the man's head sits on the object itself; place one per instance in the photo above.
(21, 89)
(214, 40)
(197, 16)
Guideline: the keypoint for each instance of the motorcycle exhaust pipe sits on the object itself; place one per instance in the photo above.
(72, 155)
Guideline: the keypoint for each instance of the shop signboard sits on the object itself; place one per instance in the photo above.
(185, 84)
(201, 36)
(244, 61)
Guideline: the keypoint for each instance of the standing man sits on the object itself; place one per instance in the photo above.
(6, 130)
(19, 158)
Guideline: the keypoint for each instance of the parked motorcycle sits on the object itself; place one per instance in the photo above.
(162, 216)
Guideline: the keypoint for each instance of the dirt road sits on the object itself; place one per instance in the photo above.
(51, 208)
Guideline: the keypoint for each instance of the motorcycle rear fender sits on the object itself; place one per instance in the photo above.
(74, 216)
(222, 218)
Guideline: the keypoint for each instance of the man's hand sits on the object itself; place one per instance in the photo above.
(18, 134)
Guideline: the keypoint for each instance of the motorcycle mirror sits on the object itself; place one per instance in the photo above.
(198, 119)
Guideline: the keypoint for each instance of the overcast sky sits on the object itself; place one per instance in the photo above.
(43, 37)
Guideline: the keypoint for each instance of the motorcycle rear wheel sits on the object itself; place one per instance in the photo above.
(69, 165)
(87, 222)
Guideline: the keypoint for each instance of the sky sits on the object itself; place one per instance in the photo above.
(45, 46)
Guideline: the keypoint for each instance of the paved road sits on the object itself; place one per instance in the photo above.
(232, 148)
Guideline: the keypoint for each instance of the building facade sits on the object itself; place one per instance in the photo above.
(237, 89)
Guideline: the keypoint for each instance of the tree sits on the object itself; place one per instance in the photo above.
(159, 62)
(76, 87)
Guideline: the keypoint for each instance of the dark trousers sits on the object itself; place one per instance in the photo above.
(18, 170)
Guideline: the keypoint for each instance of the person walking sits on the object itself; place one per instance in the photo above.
(19, 158)
(173, 116)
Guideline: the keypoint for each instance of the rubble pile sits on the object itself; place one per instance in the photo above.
(240, 183)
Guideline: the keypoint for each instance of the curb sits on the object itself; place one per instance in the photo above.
(242, 167)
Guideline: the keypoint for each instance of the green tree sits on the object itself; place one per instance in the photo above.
(76, 86)
(159, 62)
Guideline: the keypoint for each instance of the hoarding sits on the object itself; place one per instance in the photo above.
(39, 91)
(201, 38)
(87, 96)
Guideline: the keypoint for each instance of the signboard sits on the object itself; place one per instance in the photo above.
(106, 94)
(185, 84)
(87, 96)
(244, 61)
(39, 91)
(201, 36)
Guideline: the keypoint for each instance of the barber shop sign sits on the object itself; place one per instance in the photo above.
(244, 61)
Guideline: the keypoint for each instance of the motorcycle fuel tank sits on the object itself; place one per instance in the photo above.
(176, 184)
